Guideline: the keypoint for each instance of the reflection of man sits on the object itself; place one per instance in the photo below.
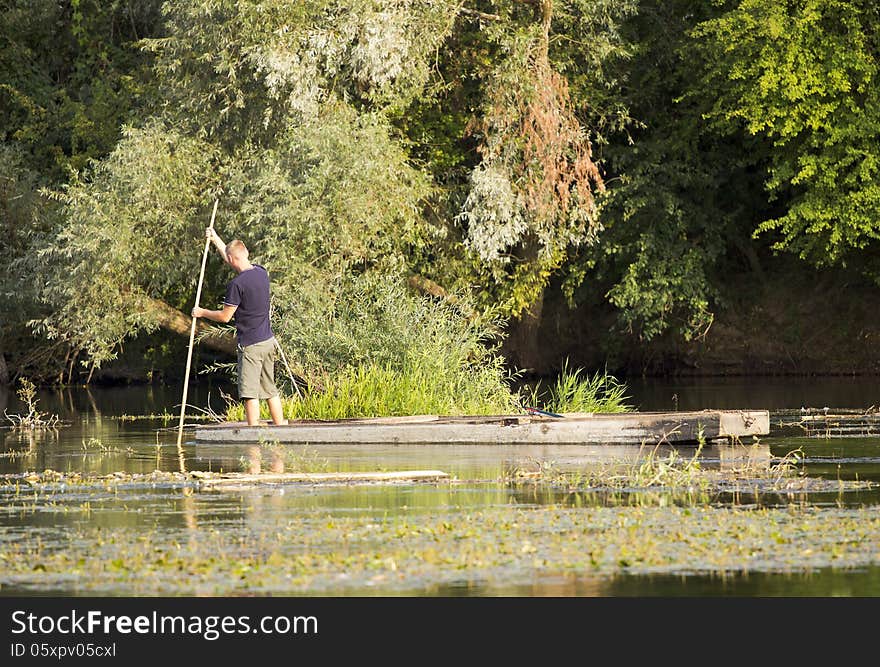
(255, 460)
(247, 298)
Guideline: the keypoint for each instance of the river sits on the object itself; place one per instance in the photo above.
(479, 535)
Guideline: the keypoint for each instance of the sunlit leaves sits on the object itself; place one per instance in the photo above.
(245, 70)
(803, 75)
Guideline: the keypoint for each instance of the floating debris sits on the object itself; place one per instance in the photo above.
(830, 422)
(48, 480)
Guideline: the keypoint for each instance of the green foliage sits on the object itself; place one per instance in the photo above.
(292, 114)
(70, 77)
(803, 77)
(148, 197)
(573, 390)
(682, 206)
(26, 221)
(353, 143)
(336, 195)
(325, 194)
(242, 72)
(20, 219)
(666, 284)
(530, 201)
(377, 350)
(375, 320)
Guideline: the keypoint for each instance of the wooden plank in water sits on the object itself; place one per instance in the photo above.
(242, 479)
(837, 424)
(623, 428)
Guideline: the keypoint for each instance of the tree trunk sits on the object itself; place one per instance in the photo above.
(748, 251)
(171, 319)
(4, 371)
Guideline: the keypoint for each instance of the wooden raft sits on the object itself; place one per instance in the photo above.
(572, 428)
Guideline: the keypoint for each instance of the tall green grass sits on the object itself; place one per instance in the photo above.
(382, 391)
(574, 390)
(373, 391)
(431, 388)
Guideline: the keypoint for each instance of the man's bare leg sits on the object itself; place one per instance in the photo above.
(276, 411)
(252, 411)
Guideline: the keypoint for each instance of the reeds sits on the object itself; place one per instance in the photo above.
(371, 390)
(673, 478)
(574, 390)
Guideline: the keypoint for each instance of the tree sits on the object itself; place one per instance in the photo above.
(801, 76)
(682, 199)
(280, 110)
(522, 185)
(69, 77)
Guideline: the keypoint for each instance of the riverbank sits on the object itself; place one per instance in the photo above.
(792, 323)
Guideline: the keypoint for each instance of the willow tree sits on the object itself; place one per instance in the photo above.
(277, 108)
(531, 200)
(69, 76)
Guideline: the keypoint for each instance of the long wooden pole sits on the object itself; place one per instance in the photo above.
(192, 332)
(289, 372)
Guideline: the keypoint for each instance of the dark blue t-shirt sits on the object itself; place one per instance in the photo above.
(249, 290)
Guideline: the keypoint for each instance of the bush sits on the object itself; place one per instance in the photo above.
(378, 350)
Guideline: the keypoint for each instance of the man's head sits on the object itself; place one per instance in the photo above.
(237, 255)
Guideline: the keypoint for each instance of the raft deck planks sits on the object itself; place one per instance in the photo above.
(574, 428)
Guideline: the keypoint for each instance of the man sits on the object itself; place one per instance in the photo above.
(247, 299)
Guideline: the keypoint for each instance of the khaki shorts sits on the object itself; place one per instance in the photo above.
(256, 370)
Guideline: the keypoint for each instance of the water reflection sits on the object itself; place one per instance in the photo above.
(821, 583)
(469, 461)
(752, 393)
(107, 433)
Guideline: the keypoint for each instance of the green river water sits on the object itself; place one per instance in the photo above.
(479, 534)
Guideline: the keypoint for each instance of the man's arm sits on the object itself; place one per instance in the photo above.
(218, 243)
(222, 316)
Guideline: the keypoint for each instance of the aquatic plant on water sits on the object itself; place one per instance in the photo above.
(33, 419)
(498, 545)
(673, 472)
